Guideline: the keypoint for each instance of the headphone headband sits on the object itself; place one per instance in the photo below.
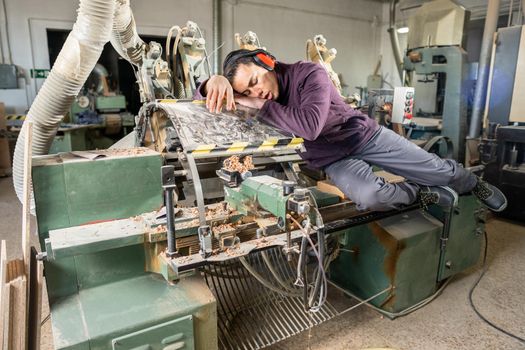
(260, 57)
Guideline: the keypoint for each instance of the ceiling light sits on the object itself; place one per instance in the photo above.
(402, 30)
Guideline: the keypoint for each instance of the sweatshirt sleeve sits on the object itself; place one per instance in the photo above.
(307, 120)
(200, 92)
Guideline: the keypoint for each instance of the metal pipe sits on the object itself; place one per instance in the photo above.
(217, 22)
(491, 22)
(394, 39)
(522, 10)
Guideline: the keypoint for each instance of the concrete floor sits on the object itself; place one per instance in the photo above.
(446, 323)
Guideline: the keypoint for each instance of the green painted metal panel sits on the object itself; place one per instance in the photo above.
(145, 303)
(71, 191)
(111, 103)
(109, 266)
(264, 191)
(176, 334)
(69, 140)
(402, 251)
(67, 321)
(324, 199)
(61, 278)
(466, 235)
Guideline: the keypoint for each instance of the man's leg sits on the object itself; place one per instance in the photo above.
(357, 181)
(398, 155)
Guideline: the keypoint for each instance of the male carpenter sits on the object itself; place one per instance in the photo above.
(301, 100)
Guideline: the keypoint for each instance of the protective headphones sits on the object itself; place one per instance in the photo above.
(260, 57)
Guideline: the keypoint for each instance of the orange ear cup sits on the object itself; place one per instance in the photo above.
(267, 60)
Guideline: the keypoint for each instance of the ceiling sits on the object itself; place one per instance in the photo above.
(477, 8)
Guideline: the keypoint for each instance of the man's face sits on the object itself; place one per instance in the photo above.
(255, 81)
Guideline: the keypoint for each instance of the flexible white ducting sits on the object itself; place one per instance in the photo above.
(73, 65)
(124, 37)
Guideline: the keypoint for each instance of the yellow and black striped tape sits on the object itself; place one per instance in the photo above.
(15, 117)
(198, 102)
(238, 147)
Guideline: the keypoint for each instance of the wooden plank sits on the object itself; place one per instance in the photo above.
(18, 329)
(328, 187)
(6, 316)
(22, 304)
(389, 177)
(4, 295)
(26, 203)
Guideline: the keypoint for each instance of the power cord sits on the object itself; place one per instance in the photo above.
(471, 292)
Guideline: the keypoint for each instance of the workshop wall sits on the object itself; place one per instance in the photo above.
(354, 28)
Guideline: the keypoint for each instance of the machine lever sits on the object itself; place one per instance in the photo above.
(168, 184)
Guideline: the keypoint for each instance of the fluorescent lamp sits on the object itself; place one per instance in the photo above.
(402, 30)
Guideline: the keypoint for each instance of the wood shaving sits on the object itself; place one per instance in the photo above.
(183, 260)
(264, 242)
(223, 228)
(233, 163)
(233, 251)
(123, 152)
(160, 229)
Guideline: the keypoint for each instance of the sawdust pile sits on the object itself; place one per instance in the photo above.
(234, 163)
(223, 228)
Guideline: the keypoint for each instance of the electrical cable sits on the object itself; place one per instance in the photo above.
(205, 52)
(402, 312)
(262, 280)
(274, 273)
(471, 292)
(320, 275)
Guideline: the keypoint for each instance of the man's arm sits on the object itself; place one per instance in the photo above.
(200, 93)
(308, 120)
(215, 90)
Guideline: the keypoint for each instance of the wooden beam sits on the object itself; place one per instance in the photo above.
(26, 203)
(4, 296)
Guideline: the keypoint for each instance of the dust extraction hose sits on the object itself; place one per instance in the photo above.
(124, 37)
(98, 21)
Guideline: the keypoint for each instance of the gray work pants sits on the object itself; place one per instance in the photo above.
(386, 149)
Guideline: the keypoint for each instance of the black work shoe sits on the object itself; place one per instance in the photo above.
(441, 195)
(490, 196)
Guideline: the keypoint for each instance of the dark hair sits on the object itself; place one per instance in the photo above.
(232, 62)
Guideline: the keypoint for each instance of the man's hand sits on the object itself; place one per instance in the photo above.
(217, 89)
(251, 102)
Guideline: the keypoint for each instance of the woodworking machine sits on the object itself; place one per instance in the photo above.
(163, 247)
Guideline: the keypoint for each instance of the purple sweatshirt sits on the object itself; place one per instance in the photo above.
(309, 106)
